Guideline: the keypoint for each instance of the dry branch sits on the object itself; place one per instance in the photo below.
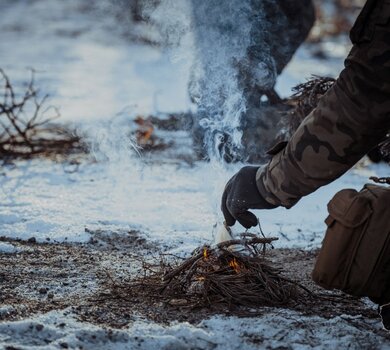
(26, 127)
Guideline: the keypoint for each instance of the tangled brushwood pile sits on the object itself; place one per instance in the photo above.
(232, 275)
(306, 97)
(26, 127)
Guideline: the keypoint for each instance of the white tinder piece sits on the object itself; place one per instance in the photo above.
(223, 234)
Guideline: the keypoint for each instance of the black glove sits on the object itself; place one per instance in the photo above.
(241, 194)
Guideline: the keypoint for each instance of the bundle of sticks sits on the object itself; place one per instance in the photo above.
(233, 273)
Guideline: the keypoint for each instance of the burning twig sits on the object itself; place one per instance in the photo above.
(146, 136)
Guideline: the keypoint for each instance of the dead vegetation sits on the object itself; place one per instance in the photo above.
(26, 124)
(305, 98)
(233, 274)
(307, 95)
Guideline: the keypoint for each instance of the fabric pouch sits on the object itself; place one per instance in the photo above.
(355, 253)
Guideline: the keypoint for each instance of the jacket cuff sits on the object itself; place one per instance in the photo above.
(269, 200)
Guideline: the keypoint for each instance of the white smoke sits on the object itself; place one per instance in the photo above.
(217, 38)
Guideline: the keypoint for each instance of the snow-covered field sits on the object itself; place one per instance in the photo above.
(93, 73)
(276, 330)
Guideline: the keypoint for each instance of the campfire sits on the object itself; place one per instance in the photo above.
(234, 274)
(146, 137)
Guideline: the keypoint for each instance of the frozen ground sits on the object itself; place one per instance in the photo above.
(94, 72)
(276, 330)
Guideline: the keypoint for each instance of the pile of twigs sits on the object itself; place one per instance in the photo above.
(306, 97)
(26, 127)
(232, 274)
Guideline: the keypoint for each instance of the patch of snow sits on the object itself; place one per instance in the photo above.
(303, 65)
(7, 248)
(6, 309)
(177, 205)
(90, 70)
(58, 329)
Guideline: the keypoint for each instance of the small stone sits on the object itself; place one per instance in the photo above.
(39, 327)
(32, 240)
(64, 345)
(50, 295)
(42, 290)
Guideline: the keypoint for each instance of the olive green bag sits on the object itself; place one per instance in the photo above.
(355, 253)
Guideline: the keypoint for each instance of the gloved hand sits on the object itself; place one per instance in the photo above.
(241, 194)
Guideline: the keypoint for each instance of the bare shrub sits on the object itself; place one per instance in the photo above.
(26, 123)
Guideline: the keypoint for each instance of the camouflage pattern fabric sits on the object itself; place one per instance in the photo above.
(351, 118)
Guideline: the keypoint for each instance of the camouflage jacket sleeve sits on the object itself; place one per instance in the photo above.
(352, 118)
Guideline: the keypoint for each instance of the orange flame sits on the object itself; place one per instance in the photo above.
(147, 134)
(145, 130)
(235, 265)
(205, 254)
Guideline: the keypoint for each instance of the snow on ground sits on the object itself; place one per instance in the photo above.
(84, 61)
(8, 248)
(276, 330)
(93, 73)
(44, 200)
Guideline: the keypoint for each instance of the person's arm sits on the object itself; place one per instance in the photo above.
(351, 118)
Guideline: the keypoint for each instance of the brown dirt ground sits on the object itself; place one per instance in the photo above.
(44, 277)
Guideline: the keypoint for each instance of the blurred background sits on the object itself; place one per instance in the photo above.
(97, 59)
(130, 96)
